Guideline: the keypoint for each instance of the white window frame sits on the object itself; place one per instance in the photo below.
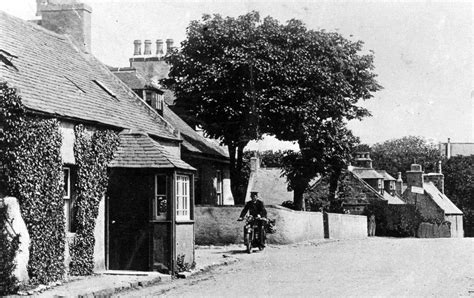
(219, 187)
(67, 198)
(158, 197)
(183, 197)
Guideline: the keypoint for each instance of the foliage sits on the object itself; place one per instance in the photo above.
(402, 220)
(181, 265)
(92, 157)
(241, 77)
(289, 205)
(33, 165)
(9, 245)
(326, 152)
(459, 187)
(397, 155)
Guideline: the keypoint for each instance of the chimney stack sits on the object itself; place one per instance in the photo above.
(169, 45)
(448, 148)
(159, 47)
(147, 50)
(436, 178)
(399, 184)
(415, 176)
(363, 160)
(138, 47)
(67, 17)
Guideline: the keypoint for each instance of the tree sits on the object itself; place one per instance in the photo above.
(397, 155)
(459, 187)
(241, 77)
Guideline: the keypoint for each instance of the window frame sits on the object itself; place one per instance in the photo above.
(164, 215)
(219, 187)
(183, 197)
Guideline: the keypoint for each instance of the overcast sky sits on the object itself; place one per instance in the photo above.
(423, 51)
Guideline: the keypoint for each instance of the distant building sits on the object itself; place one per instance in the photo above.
(450, 149)
(272, 187)
(380, 181)
(426, 192)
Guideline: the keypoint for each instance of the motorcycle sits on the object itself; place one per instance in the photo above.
(253, 226)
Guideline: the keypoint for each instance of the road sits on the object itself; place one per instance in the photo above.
(371, 267)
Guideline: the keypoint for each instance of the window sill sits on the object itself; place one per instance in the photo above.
(184, 221)
(160, 220)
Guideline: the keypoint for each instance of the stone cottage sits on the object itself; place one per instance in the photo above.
(212, 180)
(145, 219)
(426, 193)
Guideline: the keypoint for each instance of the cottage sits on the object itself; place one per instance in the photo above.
(426, 193)
(212, 180)
(145, 220)
(381, 183)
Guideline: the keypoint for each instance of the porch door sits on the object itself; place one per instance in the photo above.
(128, 221)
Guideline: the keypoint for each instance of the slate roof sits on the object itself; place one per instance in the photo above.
(366, 173)
(392, 199)
(55, 77)
(138, 150)
(192, 141)
(441, 199)
(385, 175)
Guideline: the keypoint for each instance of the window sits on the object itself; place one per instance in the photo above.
(182, 198)
(160, 201)
(68, 201)
(392, 185)
(220, 198)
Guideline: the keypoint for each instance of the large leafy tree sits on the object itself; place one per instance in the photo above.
(241, 77)
(397, 155)
(459, 187)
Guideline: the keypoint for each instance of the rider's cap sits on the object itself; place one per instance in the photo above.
(253, 191)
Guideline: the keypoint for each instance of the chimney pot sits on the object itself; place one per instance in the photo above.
(138, 47)
(159, 47)
(147, 50)
(169, 45)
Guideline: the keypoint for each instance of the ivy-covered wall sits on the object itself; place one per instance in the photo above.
(8, 248)
(92, 155)
(32, 160)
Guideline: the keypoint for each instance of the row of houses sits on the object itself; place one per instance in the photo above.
(162, 167)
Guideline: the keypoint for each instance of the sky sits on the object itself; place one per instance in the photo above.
(423, 52)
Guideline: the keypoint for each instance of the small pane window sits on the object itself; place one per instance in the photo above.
(68, 198)
(220, 198)
(182, 198)
(160, 201)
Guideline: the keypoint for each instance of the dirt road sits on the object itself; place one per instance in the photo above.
(371, 267)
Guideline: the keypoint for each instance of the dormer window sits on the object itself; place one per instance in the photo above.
(155, 100)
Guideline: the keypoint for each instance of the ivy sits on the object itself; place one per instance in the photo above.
(33, 168)
(9, 245)
(92, 156)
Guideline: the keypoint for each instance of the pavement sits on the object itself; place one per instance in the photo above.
(107, 283)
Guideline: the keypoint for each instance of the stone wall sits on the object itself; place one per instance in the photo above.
(219, 225)
(346, 226)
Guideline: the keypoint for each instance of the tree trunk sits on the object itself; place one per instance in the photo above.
(236, 181)
(335, 203)
(298, 200)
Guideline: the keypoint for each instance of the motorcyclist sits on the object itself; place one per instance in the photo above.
(256, 208)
